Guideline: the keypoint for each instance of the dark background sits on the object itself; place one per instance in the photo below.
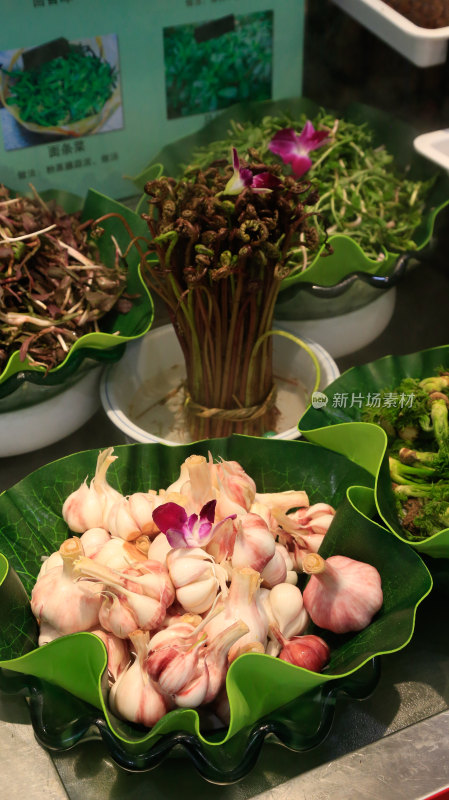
(345, 63)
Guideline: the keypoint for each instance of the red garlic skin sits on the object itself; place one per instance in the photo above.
(342, 594)
(309, 652)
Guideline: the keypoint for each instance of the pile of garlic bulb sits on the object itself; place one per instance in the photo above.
(179, 582)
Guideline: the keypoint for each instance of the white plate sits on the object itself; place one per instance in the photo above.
(425, 47)
(132, 389)
(44, 423)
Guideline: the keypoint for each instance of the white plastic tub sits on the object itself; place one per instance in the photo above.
(141, 393)
(425, 47)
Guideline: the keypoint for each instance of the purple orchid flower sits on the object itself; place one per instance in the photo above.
(182, 530)
(294, 148)
(243, 178)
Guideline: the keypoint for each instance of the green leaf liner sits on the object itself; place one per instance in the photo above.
(348, 257)
(258, 685)
(116, 329)
(366, 443)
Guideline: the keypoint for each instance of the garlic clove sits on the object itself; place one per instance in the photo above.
(275, 571)
(134, 696)
(159, 548)
(254, 544)
(198, 597)
(93, 540)
(117, 650)
(193, 694)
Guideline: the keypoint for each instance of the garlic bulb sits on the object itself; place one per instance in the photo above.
(243, 603)
(236, 489)
(118, 554)
(135, 596)
(287, 614)
(58, 599)
(131, 517)
(50, 562)
(254, 545)
(216, 656)
(89, 505)
(174, 665)
(134, 696)
(310, 652)
(117, 651)
(342, 594)
(197, 489)
(196, 578)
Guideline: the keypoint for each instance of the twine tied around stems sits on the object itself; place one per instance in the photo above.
(240, 414)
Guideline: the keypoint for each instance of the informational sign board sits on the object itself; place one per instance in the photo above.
(90, 90)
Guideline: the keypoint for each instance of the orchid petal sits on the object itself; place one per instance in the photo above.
(241, 177)
(170, 516)
(265, 182)
(293, 148)
(208, 511)
(310, 139)
(204, 530)
(177, 539)
(300, 165)
(284, 143)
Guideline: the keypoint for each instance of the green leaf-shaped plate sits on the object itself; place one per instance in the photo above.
(348, 259)
(365, 443)
(116, 329)
(65, 679)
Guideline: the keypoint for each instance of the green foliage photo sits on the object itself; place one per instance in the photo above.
(205, 75)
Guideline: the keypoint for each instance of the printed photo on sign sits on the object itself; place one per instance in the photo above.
(59, 90)
(210, 65)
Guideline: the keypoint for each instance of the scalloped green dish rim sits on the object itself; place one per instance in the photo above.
(81, 671)
(135, 323)
(384, 373)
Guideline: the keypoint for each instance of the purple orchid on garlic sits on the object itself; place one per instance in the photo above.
(243, 178)
(183, 530)
(294, 148)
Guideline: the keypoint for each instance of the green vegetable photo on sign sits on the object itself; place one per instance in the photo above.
(60, 89)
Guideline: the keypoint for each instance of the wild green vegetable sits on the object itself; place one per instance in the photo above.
(418, 431)
(204, 74)
(363, 194)
(63, 90)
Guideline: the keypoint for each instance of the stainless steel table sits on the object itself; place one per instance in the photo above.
(392, 745)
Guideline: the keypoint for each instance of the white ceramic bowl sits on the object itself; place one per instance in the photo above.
(346, 333)
(140, 393)
(435, 147)
(41, 424)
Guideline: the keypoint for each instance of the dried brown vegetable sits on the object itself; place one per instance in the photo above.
(53, 287)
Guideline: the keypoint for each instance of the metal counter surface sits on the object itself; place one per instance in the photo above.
(393, 744)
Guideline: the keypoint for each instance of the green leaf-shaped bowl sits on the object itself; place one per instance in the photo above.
(343, 412)
(116, 329)
(65, 680)
(348, 270)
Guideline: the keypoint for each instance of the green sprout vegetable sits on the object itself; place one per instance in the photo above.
(418, 433)
(63, 90)
(363, 193)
